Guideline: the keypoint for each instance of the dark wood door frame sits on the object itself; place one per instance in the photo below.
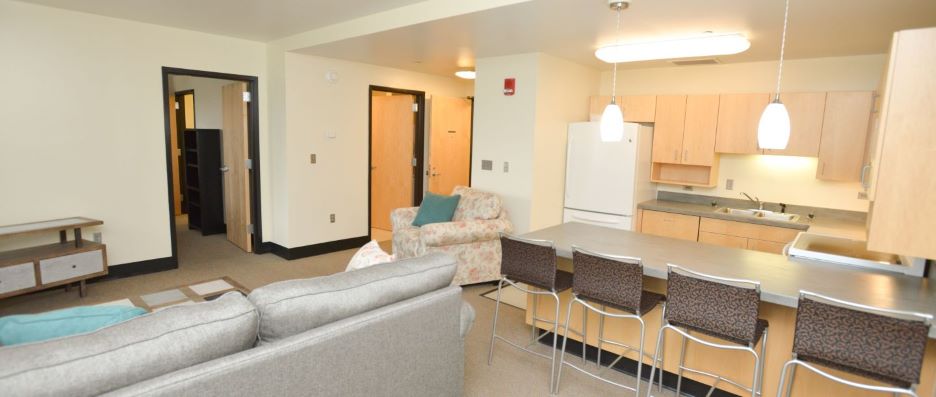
(418, 143)
(253, 151)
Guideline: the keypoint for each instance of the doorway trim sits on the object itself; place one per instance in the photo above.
(253, 151)
(418, 143)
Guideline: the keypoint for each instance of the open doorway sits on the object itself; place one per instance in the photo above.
(397, 126)
(212, 134)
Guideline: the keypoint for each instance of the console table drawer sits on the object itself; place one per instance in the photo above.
(71, 266)
(17, 277)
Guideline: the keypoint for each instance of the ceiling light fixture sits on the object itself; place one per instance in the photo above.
(612, 119)
(702, 46)
(466, 74)
(773, 130)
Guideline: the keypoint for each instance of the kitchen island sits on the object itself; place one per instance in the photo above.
(781, 280)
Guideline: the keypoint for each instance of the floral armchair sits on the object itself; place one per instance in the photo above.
(472, 237)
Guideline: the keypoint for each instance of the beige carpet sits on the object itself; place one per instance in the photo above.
(513, 373)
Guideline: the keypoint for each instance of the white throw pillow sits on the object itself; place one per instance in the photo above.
(370, 254)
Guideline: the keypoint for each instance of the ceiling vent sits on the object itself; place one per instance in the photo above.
(692, 62)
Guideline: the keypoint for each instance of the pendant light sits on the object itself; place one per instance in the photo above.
(773, 131)
(612, 119)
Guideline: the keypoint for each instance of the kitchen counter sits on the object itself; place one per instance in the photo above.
(825, 222)
(781, 278)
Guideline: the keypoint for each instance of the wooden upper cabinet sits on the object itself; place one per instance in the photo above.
(668, 129)
(636, 108)
(806, 111)
(700, 126)
(738, 115)
(902, 214)
(844, 133)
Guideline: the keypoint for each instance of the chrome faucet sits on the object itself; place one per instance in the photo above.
(755, 200)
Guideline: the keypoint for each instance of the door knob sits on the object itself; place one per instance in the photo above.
(225, 169)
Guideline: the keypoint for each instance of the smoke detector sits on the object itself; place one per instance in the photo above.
(618, 5)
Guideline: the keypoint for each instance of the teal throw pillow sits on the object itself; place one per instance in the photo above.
(25, 328)
(436, 208)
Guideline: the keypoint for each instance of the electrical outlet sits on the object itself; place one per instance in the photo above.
(332, 218)
(862, 195)
(312, 158)
(729, 184)
(506, 167)
(687, 188)
(97, 237)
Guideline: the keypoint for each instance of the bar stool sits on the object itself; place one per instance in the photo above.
(532, 262)
(880, 344)
(609, 281)
(715, 306)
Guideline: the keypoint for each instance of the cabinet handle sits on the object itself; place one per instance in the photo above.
(685, 155)
(676, 155)
(864, 176)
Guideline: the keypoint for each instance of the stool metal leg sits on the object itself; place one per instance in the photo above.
(763, 358)
(533, 321)
(662, 352)
(657, 359)
(552, 371)
(500, 286)
(565, 340)
(584, 336)
(601, 319)
(682, 363)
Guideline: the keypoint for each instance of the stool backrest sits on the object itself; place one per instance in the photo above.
(887, 343)
(725, 306)
(529, 261)
(612, 279)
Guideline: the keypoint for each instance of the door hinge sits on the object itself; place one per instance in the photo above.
(247, 96)
(414, 162)
(415, 107)
(249, 164)
(176, 106)
(250, 228)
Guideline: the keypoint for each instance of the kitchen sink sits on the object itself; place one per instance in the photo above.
(760, 214)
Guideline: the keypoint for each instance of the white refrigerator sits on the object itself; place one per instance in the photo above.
(606, 180)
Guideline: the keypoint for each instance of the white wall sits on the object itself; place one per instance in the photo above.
(772, 178)
(83, 135)
(337, 183)
(208, 104)
(528, 130)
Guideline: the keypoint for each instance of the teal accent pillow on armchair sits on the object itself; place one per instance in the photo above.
(436, 208)
(25, 328)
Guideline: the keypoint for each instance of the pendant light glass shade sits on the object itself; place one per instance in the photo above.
(773, 131)
(612, 124)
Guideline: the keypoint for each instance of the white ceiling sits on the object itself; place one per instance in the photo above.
(572, 29)
(260, 20)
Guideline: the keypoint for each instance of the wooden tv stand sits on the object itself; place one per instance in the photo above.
(46, 266)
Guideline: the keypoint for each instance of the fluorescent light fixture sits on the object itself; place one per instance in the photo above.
(702, 46)
(466, 74)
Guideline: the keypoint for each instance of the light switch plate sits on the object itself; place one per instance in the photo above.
(332, 218)
(729, 184)
(487, 165)
(312, 158)
(506, 167)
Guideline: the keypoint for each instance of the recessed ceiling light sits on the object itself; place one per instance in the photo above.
(466, 74)
(701, 46)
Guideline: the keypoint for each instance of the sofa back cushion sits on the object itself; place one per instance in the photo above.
(291, 307)
(130, 352)
(476, 205)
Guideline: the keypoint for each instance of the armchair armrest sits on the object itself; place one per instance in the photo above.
(462, 232)
(402, 218)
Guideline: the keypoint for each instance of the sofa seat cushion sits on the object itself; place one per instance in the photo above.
(291, 307)
(24, 328)
(476, 205)
(130, 352)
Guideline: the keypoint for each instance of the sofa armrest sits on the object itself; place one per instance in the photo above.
(462, 232)
(402, 218)
(467, 318)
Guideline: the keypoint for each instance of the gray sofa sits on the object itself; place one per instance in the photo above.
(390, 330)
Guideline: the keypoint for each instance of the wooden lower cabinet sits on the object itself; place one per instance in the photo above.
(772, 247)
(723, 240)
(733, 364)
(666, 224)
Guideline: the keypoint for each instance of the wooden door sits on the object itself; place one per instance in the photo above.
(234, 157)
(392, 139)
(844, 132)
(738, 116)
(449, 143)
(806, 111)
(699, 135)
(668, 130)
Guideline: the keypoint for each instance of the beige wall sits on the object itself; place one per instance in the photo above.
(528, 130)
(208, 110)
(337, 183)
(789, 180)
(83, 135)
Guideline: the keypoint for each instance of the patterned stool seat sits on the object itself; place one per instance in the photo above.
(759, 329)
(648, 300)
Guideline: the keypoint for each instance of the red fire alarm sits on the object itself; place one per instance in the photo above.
(510, 86)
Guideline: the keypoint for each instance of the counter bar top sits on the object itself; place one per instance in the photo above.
(781, 278)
